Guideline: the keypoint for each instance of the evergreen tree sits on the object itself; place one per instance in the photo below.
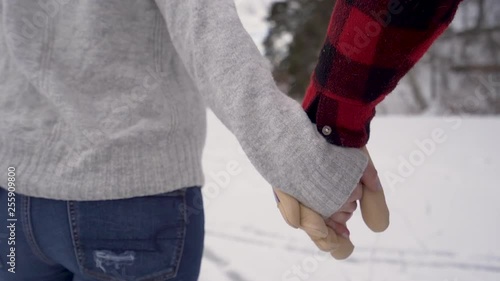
(296, 35)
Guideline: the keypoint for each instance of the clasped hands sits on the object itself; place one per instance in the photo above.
(331, 234)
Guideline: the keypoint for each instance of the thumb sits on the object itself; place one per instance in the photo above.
(344, 250)
(289, 208)
(374, 208)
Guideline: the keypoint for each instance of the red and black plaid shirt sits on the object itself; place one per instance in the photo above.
(370, 46)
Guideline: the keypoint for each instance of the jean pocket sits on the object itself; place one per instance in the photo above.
(130, 239)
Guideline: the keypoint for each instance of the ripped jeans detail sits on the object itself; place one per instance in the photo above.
(114, 263)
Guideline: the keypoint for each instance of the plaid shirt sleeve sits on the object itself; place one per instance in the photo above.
(370, 46)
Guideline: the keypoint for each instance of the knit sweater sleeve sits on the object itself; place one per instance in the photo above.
(273, 129)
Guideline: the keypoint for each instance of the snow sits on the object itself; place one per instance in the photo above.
(444, 210)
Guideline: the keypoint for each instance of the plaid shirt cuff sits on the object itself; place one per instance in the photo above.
(341, 122)
(370, 46)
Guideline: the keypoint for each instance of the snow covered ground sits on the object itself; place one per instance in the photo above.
(439, 176)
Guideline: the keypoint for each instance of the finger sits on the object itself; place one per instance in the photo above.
(312, 223)
(370, 177)
(289, 208)
(344, 250)
(340, 229)
(328, 243)
(374, 210)
(373, 205)
(349, 207)
(341, 217)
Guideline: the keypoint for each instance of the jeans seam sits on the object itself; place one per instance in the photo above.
(179, 248)
(76, 242)
(74, 235)
(183, 240)
(25, 205)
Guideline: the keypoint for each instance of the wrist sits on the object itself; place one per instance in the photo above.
(341, 121)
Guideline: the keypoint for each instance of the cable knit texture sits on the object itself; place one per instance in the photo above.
(107, 100)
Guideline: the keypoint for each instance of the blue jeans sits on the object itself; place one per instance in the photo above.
(153, 238)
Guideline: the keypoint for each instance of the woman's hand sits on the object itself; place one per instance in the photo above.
(325, 233)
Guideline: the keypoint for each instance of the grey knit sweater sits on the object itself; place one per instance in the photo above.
(107, 100)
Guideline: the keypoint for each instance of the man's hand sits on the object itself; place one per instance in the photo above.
(370, 187)
(338, 220)
(324, 233)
